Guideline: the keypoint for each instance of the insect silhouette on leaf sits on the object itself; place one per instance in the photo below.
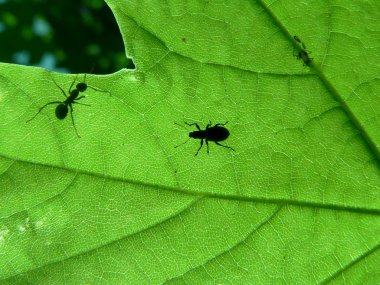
(214, 133)
(302, 53)
(72, 98)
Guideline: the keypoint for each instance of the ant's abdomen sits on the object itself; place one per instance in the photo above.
(61, 111)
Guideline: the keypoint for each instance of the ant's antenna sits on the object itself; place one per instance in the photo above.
(92, 87)
(91, 71)
(92, 68)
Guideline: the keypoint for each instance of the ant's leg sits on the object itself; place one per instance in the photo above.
(199, 148)
(75, 102)
(221, 124)
(63, 92)
(193, 124)
(208, 150)
(81, 103)
(208, 125)
(224, 146)
(72, 119)
(55, 102)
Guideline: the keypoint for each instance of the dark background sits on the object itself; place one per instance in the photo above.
(68, 36)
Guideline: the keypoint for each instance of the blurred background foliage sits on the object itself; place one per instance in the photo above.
(68, 36)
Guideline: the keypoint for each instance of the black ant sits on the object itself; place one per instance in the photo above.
(63, 106)
(214, 133)
(303, 53)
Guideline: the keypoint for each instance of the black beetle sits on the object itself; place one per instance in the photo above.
(214, 133)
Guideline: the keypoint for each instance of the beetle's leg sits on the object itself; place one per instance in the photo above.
(199, 148)
(224, 146)
(221, 124)
(194, 124)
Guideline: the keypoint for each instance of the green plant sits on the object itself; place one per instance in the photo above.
(296, 203)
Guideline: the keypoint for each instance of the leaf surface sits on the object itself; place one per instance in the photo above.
(296, 203)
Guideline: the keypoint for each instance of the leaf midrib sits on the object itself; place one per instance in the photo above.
(188, 192)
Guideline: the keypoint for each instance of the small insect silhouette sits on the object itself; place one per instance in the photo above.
(63, 106)
(214, 133)
(303, 53)
(298, 40)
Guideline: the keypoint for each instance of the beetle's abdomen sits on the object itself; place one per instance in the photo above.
(217, 134)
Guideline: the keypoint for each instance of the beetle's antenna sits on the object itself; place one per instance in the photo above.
(182, 143)
(180, 125)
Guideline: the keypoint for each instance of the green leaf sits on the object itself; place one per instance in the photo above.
(296, 203)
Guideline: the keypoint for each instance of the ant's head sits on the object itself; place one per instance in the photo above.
(81, 87)
(61, 111)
